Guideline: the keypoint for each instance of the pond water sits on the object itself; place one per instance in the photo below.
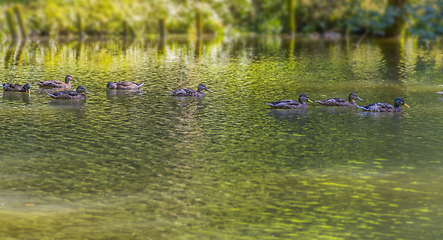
(145, 165)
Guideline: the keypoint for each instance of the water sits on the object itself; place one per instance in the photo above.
(149, 166)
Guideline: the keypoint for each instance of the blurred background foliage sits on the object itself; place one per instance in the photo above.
(141, 17)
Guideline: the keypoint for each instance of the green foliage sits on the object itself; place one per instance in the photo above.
(105, 17)
(426, 19)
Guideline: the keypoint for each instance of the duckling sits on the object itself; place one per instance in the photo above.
(14, 87)
(124, 85)
(184, 92)
(77, 94)
(385, 107)
(291, 104)
(340, 101)
(57, 84)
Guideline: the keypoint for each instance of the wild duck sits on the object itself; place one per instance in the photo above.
(77, 94)
(186, 92)
(14, 87)
(124, 85)
(291, 104)
(57, 84)
(340, 101)
(385, 107)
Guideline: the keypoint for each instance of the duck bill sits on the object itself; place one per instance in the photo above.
(406, 105)
(87, 92)
(359, 99)
(28, 91)
(309, 100)
(207, 89)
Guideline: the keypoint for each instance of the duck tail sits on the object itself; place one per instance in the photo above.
(39, 83)
(141, 84)
(52, 95)
(3, 85)
(318, 102)
(364, 108)
(170, 93)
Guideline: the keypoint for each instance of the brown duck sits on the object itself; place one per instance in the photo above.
(291, 104)
(186, 92)
(124, 85)
(77, 94)
(57, 84)
(14, 87)
(340, 101)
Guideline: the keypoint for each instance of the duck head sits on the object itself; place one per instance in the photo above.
(304, 98)
(27, 87)
(354, 96)
(399, 101)
(81, 89)
(202, 87)
(111, 85)
(69, 78)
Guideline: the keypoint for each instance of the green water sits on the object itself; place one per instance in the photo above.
(149, 166)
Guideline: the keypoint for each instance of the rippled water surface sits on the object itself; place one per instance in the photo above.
(145, 165)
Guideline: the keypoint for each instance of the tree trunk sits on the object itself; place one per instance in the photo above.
(199, 25)
(125, 29)
(11, 24)
(396, 28)
(162, 27)
(291, 17)
(80, 27)
(21, 20)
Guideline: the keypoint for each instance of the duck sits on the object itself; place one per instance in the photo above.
(441, 91)
(385, 107)
(291, 104)
(124, 85)
(14, 87)
(340, 101)
(57, 84)
(186, 92)
(77, 94)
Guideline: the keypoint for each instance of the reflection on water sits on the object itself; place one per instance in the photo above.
(125, 94)
(142, 164)
(17, 96)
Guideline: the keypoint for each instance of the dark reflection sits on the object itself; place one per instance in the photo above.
(337, 110)
(127, 42)
(161, 46)
(76, 106)
(198, 48)
(184, 102)
(123, 94)
(289, 45)
(17, 96)
(393, 56)
(382, 115)
(45, 91)
(289, 114)
(78, 50)
(9, 55)
(21, 52)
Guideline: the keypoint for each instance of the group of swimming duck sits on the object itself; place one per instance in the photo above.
(183, 92)
(340, 102)
(78, 93)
